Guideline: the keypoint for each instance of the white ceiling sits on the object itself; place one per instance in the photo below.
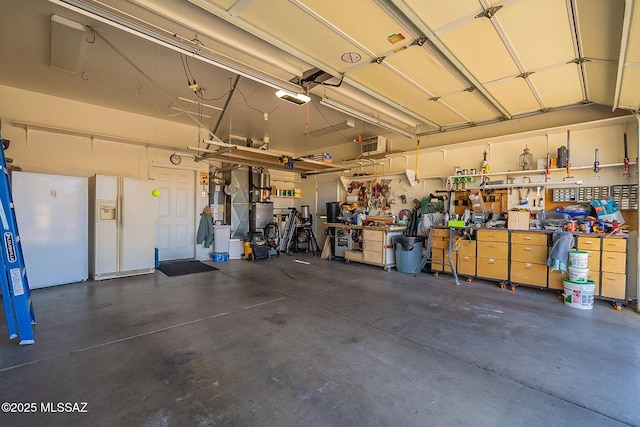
(435, 68)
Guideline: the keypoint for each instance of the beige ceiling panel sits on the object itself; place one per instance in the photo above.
(515, 95)
(468, 104)
(633, 50)
(438, 13)
(387, 83)
(601, 81)
(558, 86)
(630, 95)
(436, 112)
(363, 21)
(417, 64)
(600, 27)
(539, 32)
(298, 29)
(479, 47)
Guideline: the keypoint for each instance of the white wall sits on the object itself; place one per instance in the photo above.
(79, 139)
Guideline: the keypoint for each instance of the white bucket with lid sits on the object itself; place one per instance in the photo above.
(578, 274)
(579, 295)
(579, 259)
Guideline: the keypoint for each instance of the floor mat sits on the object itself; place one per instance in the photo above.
(180, 268)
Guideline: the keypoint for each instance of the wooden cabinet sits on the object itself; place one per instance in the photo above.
(529, 258)
(467, 257)
(377, 246)
(492, 254)
(440, 250)
(613, 280)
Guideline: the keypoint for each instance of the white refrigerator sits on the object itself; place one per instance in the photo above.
(121, 227)
(52, 216)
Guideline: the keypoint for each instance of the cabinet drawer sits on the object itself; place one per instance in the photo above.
(556, 279)
(594, 260)
(614, 244)
(372, 245)
(467, 247)
(493, 250)
(373, 257)
(614, 262)
(442, 255)
(441, 232)
(353, 256)
(493, 268)
(529, 253)
(493, 235)
(529, 238)
(373, 235)
(466, 265)
(440, 244)
(588, 243)
(614, 285)
(529, 273)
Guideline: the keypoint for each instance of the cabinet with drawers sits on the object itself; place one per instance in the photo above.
(529, 258)
(613, 281)
(377, 246)
(440, 250)
(467, 257)
(492, 254)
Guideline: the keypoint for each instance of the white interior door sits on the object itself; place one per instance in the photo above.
(176, 216)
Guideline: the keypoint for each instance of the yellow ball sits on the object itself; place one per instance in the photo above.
(155, 193)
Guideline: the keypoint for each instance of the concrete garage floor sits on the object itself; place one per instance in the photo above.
(280, 343)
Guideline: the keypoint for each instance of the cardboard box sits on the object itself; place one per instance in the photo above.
(518, 220)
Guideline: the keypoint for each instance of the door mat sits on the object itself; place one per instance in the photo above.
(180, 268)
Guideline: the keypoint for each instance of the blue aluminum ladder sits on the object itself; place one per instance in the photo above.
(16, 296)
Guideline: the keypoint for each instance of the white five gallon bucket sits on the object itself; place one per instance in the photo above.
(579, 259)
(579, 295)
(577, 274)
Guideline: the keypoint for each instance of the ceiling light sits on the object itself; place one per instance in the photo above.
(332, 128)
(169, 41)
(327, 102)
(297, 98)
(66, 41)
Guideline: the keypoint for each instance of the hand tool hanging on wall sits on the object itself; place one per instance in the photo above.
(568, 166)
(417, 158)
(626, 156)
(547, 168)
(596, 162)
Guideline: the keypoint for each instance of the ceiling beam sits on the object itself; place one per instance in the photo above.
(624, 45)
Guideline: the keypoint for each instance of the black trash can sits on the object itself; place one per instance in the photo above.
(333, 210)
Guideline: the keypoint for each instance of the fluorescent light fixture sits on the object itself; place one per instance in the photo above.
(327, 102)
(170, 42)
(296, 98)
(332, 128)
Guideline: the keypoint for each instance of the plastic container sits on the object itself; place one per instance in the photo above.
(219, 256)
(579, 295)
(407, 261)
(579, 259)
(333, 211)
(578, 274)
(221, 238)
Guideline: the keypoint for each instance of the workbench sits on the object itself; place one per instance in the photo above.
(372, 244)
